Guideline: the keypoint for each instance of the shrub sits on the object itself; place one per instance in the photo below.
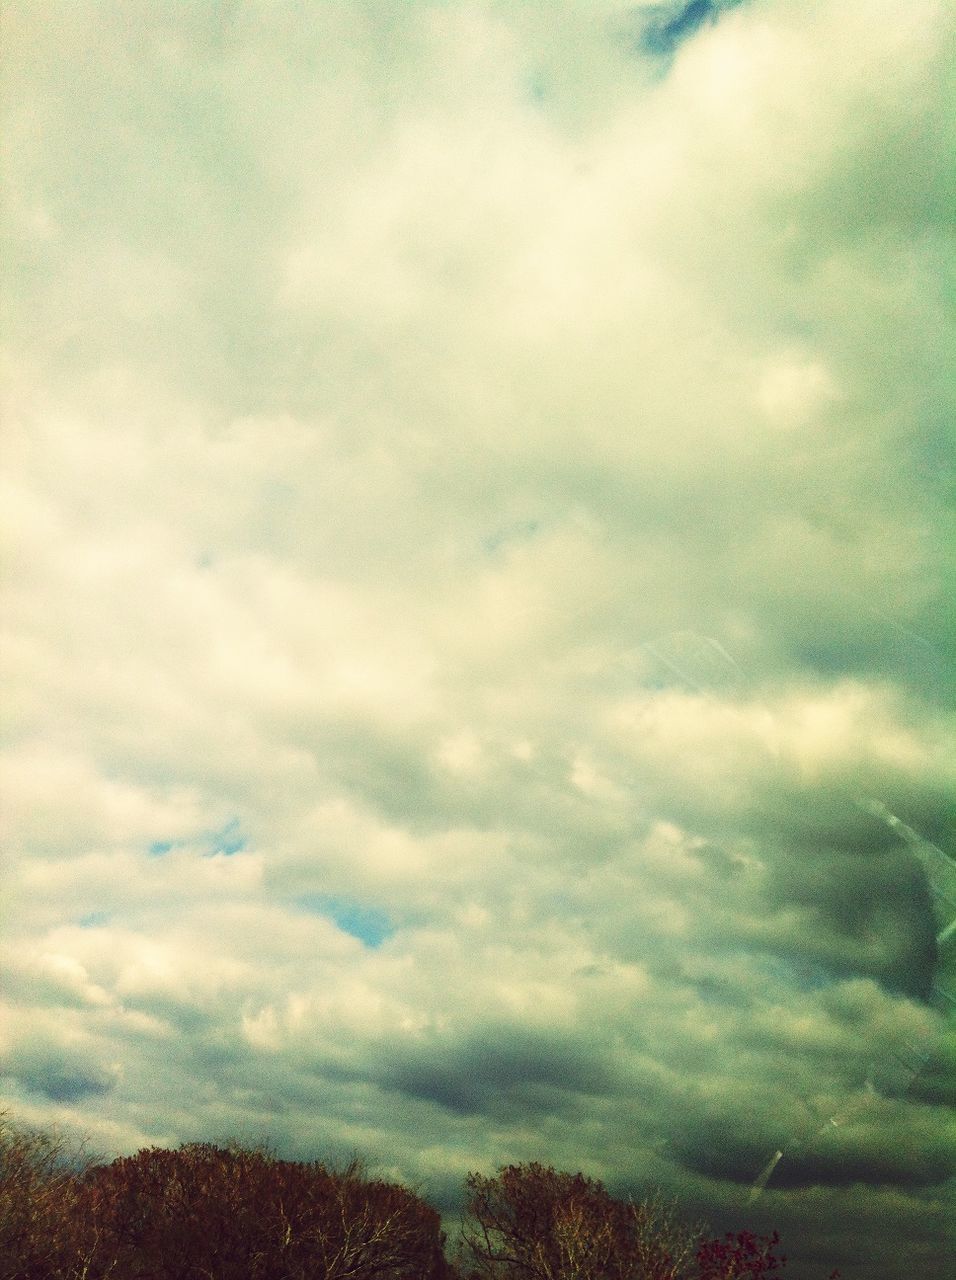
(740, 1256)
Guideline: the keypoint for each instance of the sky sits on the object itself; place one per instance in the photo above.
(477, 620)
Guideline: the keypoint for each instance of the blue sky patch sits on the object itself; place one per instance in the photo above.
(368, 924)
(94, 919)
(227, 839)
(669, 25)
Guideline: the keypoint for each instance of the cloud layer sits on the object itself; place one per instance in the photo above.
(477, 613)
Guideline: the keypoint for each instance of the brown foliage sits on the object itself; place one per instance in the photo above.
(205, 1213)
(230, 1214)
(534, 1223)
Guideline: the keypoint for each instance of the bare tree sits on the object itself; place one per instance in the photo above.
(534, 1223)
(39, 1187)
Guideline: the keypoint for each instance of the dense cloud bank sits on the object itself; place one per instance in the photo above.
(478, 609)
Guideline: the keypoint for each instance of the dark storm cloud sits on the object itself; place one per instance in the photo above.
(57, 1078)
(931, 1165)
(504, 1072)
(66, 1088)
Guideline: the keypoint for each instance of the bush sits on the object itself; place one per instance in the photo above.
(740, 1256)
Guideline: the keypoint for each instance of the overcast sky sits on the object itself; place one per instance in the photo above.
(477, 633)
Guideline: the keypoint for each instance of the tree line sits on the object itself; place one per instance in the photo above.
(208, 1212)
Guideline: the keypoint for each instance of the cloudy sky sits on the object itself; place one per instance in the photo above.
(477, 619)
